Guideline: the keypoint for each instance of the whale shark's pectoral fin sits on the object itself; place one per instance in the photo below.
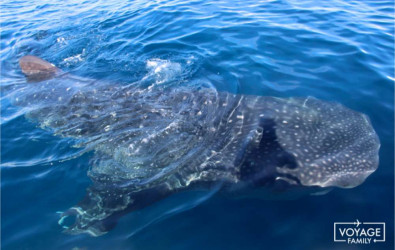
(263, 155)
(37, 69)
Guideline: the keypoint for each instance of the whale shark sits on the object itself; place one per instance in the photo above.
(151, 142)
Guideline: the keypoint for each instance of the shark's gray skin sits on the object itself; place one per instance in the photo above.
(150, 143)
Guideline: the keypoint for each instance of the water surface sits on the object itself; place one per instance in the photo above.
(333, 50)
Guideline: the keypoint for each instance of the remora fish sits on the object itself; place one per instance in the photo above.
(150, 143)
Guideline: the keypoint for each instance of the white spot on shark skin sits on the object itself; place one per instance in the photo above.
(190, 59)
(61, 40)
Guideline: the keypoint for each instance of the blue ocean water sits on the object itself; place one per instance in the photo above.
(333, 50)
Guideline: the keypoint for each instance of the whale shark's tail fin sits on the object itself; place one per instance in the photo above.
(37, 69)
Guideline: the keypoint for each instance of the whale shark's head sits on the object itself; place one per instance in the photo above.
(310, 143)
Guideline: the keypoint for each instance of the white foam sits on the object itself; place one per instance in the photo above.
(74, 59)
(162, 70)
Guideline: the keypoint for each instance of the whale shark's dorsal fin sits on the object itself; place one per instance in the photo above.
(37, 69)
